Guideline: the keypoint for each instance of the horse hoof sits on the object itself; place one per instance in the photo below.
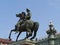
(9, 39)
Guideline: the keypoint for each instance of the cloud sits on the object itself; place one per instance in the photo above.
(54, 3)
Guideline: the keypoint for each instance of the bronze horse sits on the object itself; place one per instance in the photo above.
(29, 27)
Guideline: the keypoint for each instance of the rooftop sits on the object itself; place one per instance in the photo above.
(5, 40)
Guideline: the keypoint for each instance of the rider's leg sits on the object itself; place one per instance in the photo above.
(16, 26)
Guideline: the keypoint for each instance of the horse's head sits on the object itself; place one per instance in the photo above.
(19, 15)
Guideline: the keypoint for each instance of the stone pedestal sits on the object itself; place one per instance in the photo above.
(23, 42)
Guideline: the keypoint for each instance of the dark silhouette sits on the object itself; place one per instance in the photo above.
(25, 25)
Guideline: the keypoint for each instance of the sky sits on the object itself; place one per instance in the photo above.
(43, 11)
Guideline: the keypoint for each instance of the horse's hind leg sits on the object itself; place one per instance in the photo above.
(26, 34)
(34, 35)
(10, 34)
(18, 36)
(30, 34)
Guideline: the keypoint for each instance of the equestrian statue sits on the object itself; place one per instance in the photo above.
(25, 24)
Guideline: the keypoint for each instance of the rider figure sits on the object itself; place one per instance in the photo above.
(28, 15)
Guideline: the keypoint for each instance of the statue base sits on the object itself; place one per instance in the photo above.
(24, 42)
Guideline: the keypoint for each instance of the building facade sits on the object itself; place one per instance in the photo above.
(52, 39)
(45, 41)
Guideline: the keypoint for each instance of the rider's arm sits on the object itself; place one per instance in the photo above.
(28, 16)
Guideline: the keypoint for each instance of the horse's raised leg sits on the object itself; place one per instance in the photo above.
(10, 34)
(18, 36)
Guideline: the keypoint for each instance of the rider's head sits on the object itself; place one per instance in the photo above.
(27, 10)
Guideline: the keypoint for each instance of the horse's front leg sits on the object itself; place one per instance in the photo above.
(10, 34)
(18, 36)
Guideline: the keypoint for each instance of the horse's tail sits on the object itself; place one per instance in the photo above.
(35, 29)
(36, 26)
